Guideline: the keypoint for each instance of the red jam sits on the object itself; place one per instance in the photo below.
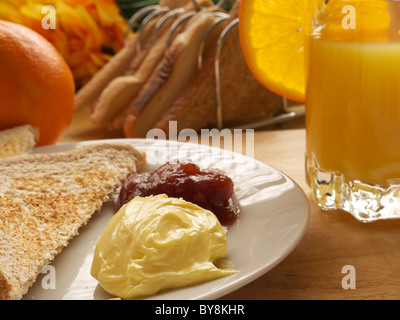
(209, 189)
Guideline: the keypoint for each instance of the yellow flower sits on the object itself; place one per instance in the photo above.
(87, 32)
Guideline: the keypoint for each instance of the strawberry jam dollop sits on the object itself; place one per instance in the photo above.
(210, 189)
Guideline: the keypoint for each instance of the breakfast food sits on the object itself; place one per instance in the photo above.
(243, 97)
(211, 189)
(86, 33)
(122, 90)
(18, 140)
(117, 66)
(275, 55)
(166, 81)
(37, 86)
(178, 68)
(155, 243)
(46, 198)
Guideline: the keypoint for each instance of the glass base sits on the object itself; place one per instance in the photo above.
(365, 202)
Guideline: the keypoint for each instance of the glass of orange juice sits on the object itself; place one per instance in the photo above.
(353, 107)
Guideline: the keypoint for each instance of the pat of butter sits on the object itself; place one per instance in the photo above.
(156, 243)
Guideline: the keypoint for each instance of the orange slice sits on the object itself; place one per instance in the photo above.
(272, 35)
(372, 20)
(272, 39)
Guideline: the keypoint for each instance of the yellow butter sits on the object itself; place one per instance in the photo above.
(156, 243)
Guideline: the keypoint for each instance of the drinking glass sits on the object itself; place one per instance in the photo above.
(353, 107)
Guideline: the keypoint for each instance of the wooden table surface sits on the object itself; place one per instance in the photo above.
(333, 240)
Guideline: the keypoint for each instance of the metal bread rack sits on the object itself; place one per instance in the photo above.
(150, 12)
(288, 113)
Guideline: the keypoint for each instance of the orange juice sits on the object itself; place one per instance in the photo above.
(353, 109)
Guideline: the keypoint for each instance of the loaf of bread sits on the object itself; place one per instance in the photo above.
(46, 198)
(18, 140)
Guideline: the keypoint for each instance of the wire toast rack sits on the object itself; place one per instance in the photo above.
(150, 12)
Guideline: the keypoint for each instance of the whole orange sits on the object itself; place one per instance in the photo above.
(36, 84)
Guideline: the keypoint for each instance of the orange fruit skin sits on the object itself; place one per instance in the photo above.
(36, 84)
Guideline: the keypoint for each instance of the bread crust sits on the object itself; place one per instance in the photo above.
(5, 288)
(46, 198)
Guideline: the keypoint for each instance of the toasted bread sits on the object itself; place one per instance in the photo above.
(243, 97)
(177, 69)
(87, 96)
(18, 140)
(152, 95)
(124, 89)
(46, 198)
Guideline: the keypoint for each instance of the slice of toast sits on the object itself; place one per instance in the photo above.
(87, 96)
(124, 89)
(18, 140)
(244, 98)
(46, 198)
(176, 70)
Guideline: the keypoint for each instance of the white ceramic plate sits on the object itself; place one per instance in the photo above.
(274, 218)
